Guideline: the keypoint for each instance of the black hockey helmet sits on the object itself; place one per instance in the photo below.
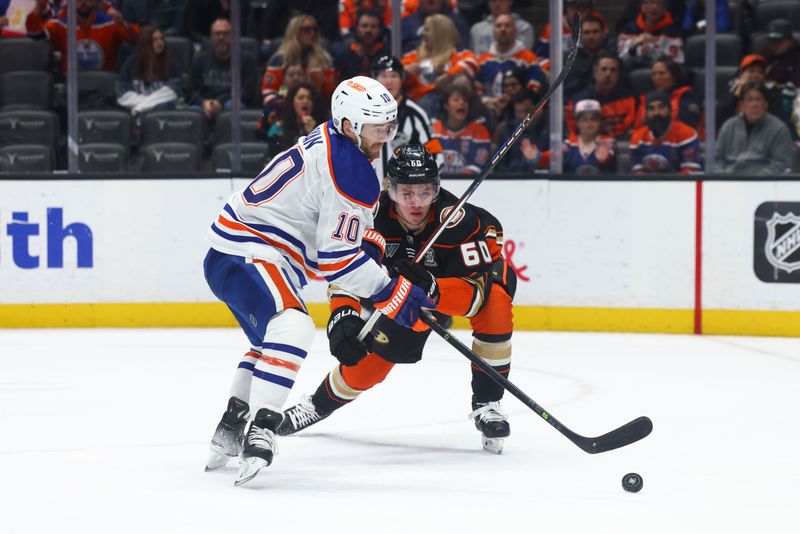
(386, 63)
(412, 165)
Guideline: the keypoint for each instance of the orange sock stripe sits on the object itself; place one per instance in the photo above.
(277, 362)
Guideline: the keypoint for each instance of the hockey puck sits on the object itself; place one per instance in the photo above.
(632, 482)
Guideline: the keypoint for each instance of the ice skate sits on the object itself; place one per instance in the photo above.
(301, 415)
(492, 423)
(259, 445)
(227, 440)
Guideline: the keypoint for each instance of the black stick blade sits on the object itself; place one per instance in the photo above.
(628, 433)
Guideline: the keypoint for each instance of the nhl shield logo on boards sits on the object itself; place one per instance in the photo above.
(776, 254)
(783, 242)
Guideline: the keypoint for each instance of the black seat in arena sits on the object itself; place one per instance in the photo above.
(724, 75)
(185, 126)
(26, 89)
(777, 9)
(641, 81)
(104, 127)
(254, 156)
(28, 127)
(102, 158)
(729, 50)
(248, 122)
(171, 158)
(97, 88)
(180, 50)
(22, 53)
(26, 159)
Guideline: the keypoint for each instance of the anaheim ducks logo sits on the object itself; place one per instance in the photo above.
(457, 219)
(380, 337)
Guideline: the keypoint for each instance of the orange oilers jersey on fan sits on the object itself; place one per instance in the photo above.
(492, 67)
(419, 85)
(349, 9)
(677, 151)
(466, 150)
(98, 43)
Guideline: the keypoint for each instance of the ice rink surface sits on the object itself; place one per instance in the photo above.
(106, 431)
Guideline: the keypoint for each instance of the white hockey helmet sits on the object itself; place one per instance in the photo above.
(362, 100)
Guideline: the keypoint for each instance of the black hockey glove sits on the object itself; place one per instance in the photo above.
(343, 328)
(417, 275)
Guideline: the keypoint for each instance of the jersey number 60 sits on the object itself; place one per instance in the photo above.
(474, 252)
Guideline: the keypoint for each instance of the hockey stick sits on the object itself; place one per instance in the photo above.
(498, 155)
(625, 435)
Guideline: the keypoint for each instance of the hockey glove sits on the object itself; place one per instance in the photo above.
(401, 301)
(418, 275)
(344, 326)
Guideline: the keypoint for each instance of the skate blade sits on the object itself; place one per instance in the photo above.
(248, 469)
(493, 445)
(217, 460)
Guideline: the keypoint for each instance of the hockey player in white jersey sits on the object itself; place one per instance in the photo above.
(303, 216)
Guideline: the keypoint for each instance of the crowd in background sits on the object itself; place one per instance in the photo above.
(468, 73)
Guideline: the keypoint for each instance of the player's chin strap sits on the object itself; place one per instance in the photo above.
(568, 63)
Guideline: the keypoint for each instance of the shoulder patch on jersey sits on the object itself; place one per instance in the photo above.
(352, 175)
(457, 219)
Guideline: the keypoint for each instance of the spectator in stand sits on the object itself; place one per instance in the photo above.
(349, 10)
(413, 124)
(585, 8)
(367, 46)
(99, 35)
(594, 41)
(507, 52)
(502, 108)
(293, 75)
(668, 77)
(211, 73)
(589, 152)
(695, 20)
(149, 80)
(664, 145)
(201, 14)
(465, 140)
(619, 106)
(652, 35)
(782, 54)
(482, 33)
(755, 141)
(634, 7)
(301, 44)
(411, 26)
(526, 154)
(753, 69)
(302, 112)
(435, 61)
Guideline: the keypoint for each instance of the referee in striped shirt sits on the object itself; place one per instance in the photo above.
(414, 125)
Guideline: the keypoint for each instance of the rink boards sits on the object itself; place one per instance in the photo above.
(632, 256)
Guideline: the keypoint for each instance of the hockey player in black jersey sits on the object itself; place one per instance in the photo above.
(463, 272)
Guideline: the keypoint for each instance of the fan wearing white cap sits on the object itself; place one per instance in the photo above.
(308, 214)
(588, 151)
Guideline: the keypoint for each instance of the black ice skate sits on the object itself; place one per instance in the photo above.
(492, 422)
(301, 415)
(259, 445)
(227, 440)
